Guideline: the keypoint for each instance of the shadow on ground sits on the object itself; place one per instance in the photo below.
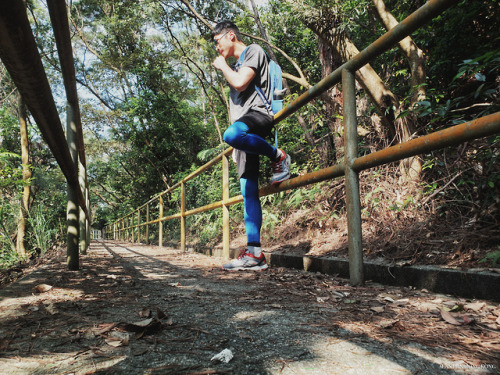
(145, 310)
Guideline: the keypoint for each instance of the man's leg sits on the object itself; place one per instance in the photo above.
(240, 137)
(249, 184)
(251, 258)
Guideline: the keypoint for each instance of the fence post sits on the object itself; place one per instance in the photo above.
(132, 229)
(183, 217)
(147, 224)
(225, 208)
(352, 179)
(129, 234)
(160, 223)
(89, 218)
(138, 226)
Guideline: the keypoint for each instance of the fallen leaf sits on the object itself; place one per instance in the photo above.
(145, 313)
(114, 342)
(448, 317)
(140, 350)
(51, 309)
(160, 314)
(350, 301)
(458, 307)
(377, 309)
(401, 302)
(427, 307)
(103, 328)
(42, 288)
(144, 327)
(475, 306)
(143, 323)
(117, 339)
(386, 323)
(468, 319)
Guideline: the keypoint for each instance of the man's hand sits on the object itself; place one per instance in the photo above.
(238, 80)
(220, 62)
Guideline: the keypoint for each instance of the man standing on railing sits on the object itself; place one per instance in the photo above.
(251, 122)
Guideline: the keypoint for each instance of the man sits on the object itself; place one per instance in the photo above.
(251, 122)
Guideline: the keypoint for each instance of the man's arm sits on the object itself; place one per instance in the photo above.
(238, 80)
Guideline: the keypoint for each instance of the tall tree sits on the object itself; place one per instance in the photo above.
(327, 22)
(25, 201)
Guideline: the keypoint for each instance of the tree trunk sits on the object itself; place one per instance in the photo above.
(343, 49)
(334, 123)
(411, 167)
(25, 201)
(384, 100)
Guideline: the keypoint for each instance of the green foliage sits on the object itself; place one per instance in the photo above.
(11, 173)
(493, 258)
(43, 229)
(7, 227)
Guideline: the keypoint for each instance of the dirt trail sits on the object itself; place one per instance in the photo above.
(143, 310)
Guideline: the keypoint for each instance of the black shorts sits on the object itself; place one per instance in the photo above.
(261, 124)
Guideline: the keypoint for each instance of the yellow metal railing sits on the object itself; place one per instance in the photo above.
(124, 227)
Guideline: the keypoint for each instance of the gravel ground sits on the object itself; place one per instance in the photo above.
(136, 309)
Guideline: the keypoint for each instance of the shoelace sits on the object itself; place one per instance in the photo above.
(278, 166)
(242, 254)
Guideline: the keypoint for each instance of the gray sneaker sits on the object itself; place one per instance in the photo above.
(246, 261)
(281, 169)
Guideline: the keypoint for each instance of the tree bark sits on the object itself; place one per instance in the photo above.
(413, 54)
(328, 64)
(25, 201)
(411, 168)
(400, 129)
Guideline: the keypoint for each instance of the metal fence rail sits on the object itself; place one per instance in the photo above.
(124, 227)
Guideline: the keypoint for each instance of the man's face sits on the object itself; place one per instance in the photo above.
(223, 43)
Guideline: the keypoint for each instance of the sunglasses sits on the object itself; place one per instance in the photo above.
(216, 41)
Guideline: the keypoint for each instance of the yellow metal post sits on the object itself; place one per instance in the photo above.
(147, 224)
(138, 226)
(183, 216)
(225, 207)
(352, 180)
(160, 223)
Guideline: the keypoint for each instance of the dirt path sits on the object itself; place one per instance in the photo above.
(134, 309)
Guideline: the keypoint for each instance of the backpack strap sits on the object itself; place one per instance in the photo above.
(259, 91)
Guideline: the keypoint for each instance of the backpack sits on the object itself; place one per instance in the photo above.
(275, 104)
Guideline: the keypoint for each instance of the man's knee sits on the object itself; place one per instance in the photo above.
(235, 133)
(230, 135)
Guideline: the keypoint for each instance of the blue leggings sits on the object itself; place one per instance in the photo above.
(238, 135)
(249, 184)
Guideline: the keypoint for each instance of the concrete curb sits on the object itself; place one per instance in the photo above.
(480, 284)
(474, 283)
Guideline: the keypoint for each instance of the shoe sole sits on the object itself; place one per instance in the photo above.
(254, 268)
(281, 180)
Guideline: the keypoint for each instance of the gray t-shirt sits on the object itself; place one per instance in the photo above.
(248, 100)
